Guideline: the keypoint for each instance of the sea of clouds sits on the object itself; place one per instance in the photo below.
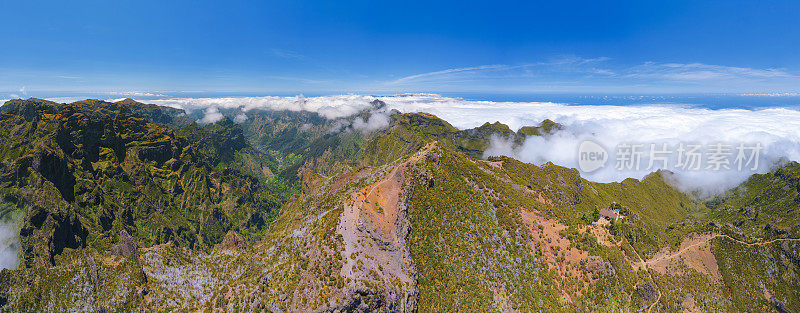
(776, 129)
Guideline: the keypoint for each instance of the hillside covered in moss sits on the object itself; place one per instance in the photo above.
(129, 207)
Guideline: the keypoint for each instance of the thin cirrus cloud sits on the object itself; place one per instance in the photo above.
(565, 74)
(603, 75)
(451, 72)
(136, 94)
(295, 79)
(700, 71)
(286, 54)
(563, 65)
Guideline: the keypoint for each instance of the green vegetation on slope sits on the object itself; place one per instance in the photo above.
(764, 206)
(467, 248)
(495, 235)
(83, 172)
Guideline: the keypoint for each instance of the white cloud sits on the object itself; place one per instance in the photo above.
(500, 146)
(338, 126)
(9, 243)
(211, 115)
(778, 129)
(376, 121)
(239, 118)
(331, 107)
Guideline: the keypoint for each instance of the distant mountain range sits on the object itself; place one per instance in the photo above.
(127, 206)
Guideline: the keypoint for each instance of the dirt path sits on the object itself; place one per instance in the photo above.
(759, 243)
(694, 254)
(676, 254)
(703, 241)
(706, 241)
(650, 308)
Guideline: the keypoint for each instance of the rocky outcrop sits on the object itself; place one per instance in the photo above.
(126, 246)
(232, 241)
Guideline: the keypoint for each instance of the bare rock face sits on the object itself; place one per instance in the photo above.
(375, 225)
(232, 241)
(126, 246)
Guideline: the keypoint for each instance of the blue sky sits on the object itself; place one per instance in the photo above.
(326, 47)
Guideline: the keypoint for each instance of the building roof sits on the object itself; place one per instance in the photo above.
(609, 214)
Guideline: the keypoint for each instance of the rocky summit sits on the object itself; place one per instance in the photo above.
(125, 206)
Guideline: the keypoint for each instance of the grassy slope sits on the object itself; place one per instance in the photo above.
(760, 277)
(766, 205)
(469, 243)
(466, 247)
(471, 214)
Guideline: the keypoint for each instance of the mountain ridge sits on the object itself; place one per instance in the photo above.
(405, 218)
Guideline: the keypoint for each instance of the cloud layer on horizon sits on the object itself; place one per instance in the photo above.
(331, 107)
(777, 128)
